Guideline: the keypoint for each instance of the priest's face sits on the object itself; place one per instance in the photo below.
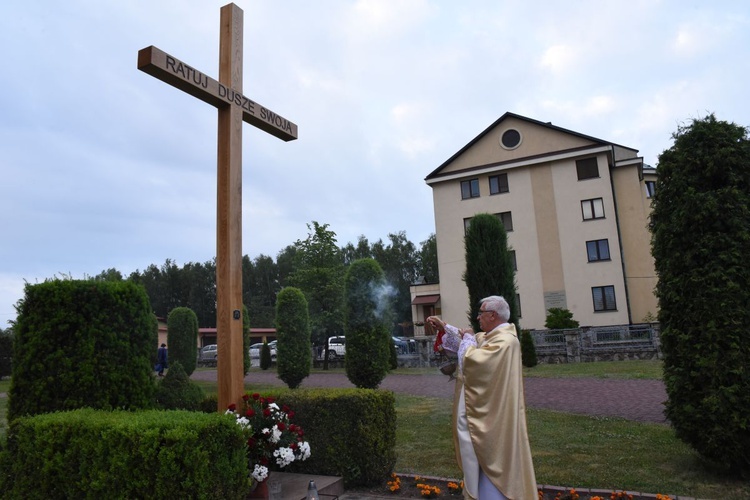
(487, 319)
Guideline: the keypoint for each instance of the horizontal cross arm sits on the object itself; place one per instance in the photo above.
(171, 70)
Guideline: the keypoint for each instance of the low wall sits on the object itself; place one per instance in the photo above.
(574, 345)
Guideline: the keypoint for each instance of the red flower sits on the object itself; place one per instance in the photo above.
(281, 426)
(232, 407)
(245, 397)
(256, 396)
(250, 413)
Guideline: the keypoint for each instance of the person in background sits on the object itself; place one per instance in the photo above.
(489, 411)
(161, 359)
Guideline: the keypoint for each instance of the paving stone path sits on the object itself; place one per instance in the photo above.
(638, 400)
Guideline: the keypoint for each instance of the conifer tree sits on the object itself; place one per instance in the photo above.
(701, 242)
(489, 266)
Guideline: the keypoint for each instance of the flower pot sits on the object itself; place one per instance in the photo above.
(260, 491)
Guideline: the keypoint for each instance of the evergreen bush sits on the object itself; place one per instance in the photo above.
(367, 324)
(489, 266)
(177, 392)
(265, 356)
(82, 344)
(701, 242)
(6, 353)
(182, 338)
(559, 318)
(528, 350)
(293, 349)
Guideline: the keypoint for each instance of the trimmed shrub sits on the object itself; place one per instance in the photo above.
(246, 341)
(82, 344)
(559, 318)
(100, 454)
(528, 350)
(177, 392)
(6, 352)
(293, 350)
(352, 432)
(489, 266)
(367, 320)
(701, 242)
(265, 356)
(182, 338)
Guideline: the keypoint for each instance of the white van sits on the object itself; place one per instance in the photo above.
(336, 347)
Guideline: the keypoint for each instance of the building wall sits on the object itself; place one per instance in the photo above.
(549, 235)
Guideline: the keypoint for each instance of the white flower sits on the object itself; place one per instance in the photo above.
(284, 456)
(304, 450)
(260, 472)
(243, 422)
(274, 435)
(273, 407)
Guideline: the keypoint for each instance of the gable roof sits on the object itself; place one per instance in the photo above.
(506, 115)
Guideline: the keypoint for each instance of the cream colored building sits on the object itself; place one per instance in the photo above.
(576, 211)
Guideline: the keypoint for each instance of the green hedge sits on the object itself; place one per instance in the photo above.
(352, 432)
(80, 344)
(150, 454)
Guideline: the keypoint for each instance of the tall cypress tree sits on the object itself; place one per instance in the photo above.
(701, 242)
(368, 318)
(293, 350)
(489, 266)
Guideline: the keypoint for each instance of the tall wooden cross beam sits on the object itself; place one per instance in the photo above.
(234, 108)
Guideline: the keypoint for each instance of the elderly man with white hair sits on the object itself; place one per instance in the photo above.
(489, 413)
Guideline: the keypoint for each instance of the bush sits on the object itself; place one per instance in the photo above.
(265, 356)
(182, 338)
(559, 318)
(6, 353)
(367, 324)
(352, 432)
(150, 454)
(701, 242)
(489, 266)
(293, 350)
(177, 392)
(528, 350)
(82, 344)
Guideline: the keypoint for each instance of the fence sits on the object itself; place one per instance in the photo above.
(598, 343)
(574, 345)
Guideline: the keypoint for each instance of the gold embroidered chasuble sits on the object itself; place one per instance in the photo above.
(492, 382)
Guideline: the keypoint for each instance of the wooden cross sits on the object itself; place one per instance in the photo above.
(234, 108)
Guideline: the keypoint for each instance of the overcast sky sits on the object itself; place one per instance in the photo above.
(103, 166)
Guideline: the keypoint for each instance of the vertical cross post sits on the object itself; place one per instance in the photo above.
(230, 371)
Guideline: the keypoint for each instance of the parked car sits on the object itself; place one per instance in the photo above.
(255, 350)
(402, 346)
(209, 352)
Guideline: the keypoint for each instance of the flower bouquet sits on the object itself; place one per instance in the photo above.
(273, 442)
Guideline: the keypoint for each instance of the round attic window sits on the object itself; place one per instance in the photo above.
(510, 139)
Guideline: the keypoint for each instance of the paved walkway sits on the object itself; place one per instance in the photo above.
(638, 400)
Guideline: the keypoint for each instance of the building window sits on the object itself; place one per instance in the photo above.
(597, 250)
(467, 223)
(518, 305)
(604, 298)
(510, 139)
(499, 184)
(587, 168)
(650, 189)
(470, 189)
(592, 209)
(513, 258)
(507, 221)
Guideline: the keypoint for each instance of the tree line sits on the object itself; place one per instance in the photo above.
(316, 265)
